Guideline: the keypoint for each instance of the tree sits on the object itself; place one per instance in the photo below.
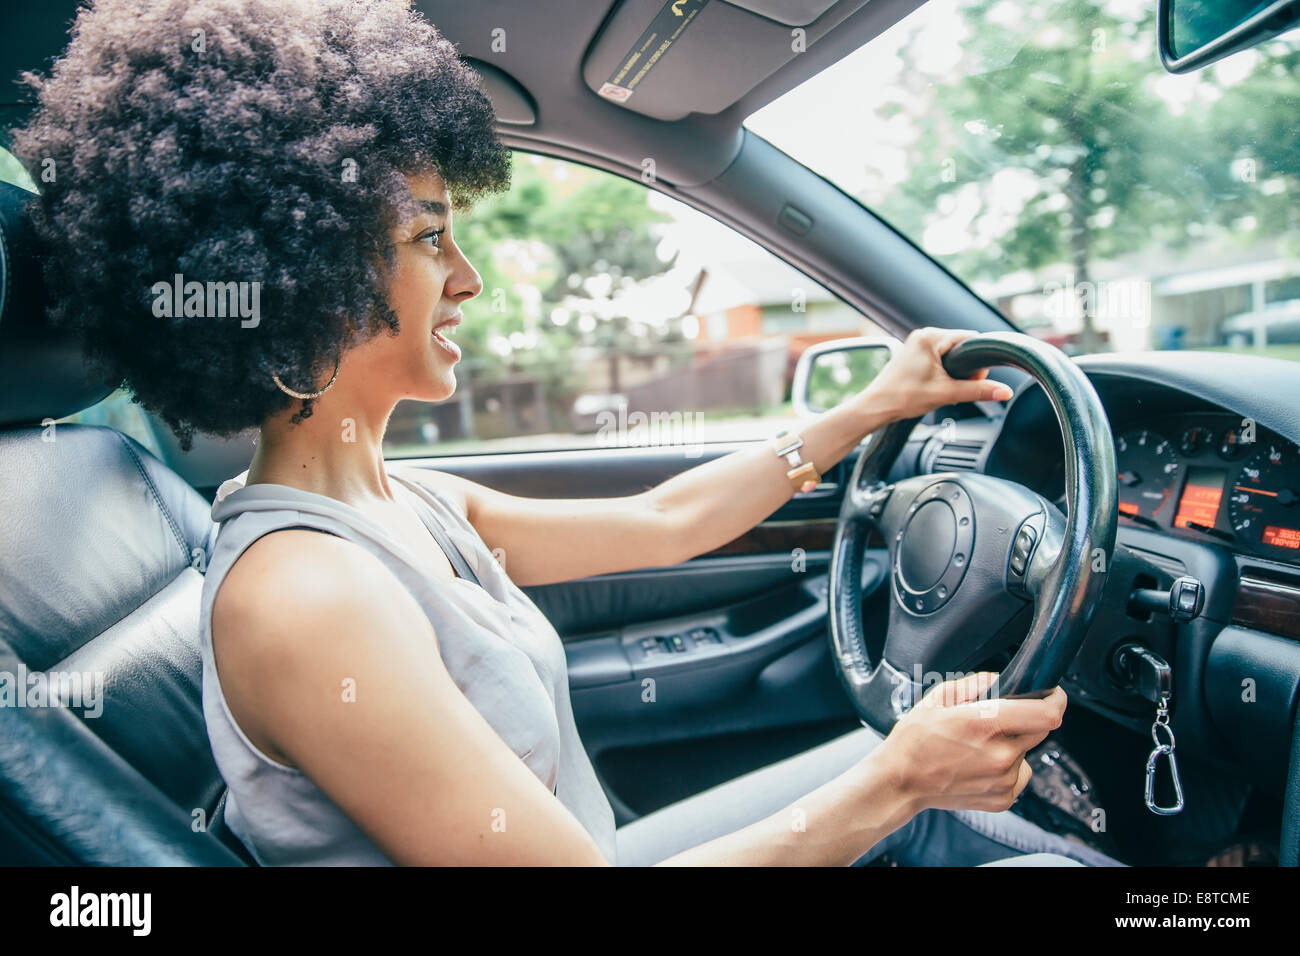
(564, 242)
(1072, 124)
(1254, 126)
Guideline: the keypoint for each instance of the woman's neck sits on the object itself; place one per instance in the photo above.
(337, 452)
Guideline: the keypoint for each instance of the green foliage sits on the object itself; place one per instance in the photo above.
(564, 237)
(12, 171)
(1073, 117)
(1255, 122)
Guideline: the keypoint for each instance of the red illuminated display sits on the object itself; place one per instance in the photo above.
(1281, 537)
(1199, 503)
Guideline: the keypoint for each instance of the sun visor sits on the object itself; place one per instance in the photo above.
(667, 59)
(793, 13)
(510, 101)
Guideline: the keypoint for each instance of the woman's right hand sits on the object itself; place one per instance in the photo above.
(953, 751)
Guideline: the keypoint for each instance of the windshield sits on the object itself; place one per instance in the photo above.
(1038, 150)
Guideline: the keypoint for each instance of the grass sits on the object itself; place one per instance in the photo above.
(1290, 351)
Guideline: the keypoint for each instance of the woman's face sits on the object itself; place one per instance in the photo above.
(430, 281)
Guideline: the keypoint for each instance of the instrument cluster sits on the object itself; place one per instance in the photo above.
(1214, 476)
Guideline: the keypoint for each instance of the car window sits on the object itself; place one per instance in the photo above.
(612, 315)
(116, 410)
(1039, 151)
(12, 171)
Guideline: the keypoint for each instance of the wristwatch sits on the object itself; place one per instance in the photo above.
(802, 474)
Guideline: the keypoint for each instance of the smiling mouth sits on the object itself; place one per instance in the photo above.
(442, 332)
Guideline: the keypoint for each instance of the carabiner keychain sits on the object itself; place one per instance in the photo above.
(1153, 762)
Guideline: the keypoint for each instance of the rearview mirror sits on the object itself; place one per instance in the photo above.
(830, 372)
(1194, 33)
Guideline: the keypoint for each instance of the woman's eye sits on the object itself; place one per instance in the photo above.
(432, 236)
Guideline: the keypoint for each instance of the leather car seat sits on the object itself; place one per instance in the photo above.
(101, 552)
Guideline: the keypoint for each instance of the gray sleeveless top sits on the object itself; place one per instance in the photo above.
(498, 647)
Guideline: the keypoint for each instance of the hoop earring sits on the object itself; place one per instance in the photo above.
(307, 395)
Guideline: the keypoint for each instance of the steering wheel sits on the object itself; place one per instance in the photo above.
(969, 554)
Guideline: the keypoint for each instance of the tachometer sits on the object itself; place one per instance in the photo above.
(1263, 504)
(1148, 472)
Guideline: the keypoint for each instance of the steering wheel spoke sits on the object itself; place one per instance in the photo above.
(867, 503)
(1045, 552)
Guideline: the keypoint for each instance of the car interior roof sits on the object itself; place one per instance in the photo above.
(735, 57)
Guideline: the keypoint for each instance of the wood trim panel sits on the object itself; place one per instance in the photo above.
(782, 537)
(1268, 605)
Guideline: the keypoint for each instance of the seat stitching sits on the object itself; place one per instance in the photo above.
(153, 490)
(6, 273)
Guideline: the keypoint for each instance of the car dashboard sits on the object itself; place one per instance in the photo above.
(1204, 475)
(1209, 487)
(1189, 466)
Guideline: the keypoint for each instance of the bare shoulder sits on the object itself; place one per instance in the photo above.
(294, 605)
(459, 490)
(293, 572)
(330, 666)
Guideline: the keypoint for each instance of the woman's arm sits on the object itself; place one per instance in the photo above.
(548, 540)
(329, 665)
(952, 751)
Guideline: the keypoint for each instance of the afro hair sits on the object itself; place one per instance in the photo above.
(252, 142)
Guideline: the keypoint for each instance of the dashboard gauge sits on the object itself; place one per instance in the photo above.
(1148, 473)
(1194, 438)
(1263, 504)
(1202, 497)
(1232, 444)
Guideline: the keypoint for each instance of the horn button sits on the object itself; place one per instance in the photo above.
(934, 547)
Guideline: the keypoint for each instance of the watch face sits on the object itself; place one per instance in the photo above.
(803, 477)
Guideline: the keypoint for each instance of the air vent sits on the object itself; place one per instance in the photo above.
(957, 456)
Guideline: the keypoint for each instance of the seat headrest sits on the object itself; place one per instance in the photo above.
(42, 372)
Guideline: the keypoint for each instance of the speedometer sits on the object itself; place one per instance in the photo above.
(1148, 472)
(1264, 499)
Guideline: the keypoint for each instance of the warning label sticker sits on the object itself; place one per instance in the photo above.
(667, 26)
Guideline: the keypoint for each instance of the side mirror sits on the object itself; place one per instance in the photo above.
(1195, 33)
(830, 372)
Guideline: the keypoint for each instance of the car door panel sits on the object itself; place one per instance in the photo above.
(590, 604)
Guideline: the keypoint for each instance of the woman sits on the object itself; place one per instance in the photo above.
(382, 691)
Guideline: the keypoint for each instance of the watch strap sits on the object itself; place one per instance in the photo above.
(802, 474)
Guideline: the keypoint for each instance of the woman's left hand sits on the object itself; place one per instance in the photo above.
(914, 382)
